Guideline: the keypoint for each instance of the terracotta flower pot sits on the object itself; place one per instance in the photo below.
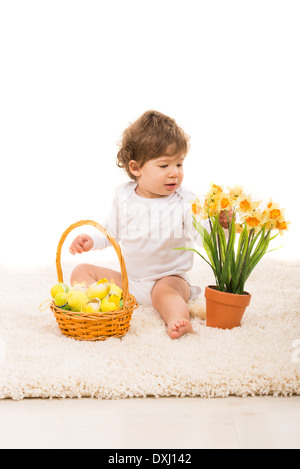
(225, 310)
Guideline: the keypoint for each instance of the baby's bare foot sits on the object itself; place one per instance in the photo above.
(180, 328)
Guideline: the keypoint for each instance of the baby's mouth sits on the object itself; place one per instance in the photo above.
(171, 186)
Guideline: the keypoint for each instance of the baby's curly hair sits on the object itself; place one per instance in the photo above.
(150, 136)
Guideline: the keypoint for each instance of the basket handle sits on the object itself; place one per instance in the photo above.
(110, 239)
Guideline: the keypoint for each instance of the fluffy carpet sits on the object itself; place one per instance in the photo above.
(260, 358)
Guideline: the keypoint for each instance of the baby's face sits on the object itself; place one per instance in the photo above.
(160, 177)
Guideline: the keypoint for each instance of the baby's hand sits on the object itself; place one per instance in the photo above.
(83, 243)
(224, 217)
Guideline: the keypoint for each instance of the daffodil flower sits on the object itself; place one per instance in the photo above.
(232, 262)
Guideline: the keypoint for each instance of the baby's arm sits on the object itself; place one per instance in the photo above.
(83, 243)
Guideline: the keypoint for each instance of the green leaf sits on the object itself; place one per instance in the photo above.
(221, 243)
(231, 265)
(240, 257)
(260, 250)
(226, 271)
(207, 244)
(197, 252)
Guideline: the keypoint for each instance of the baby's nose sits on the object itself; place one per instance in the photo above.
(173, 172)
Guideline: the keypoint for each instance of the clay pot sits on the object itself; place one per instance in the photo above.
(225, 310)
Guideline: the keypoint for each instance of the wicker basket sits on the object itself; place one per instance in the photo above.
(95, 326)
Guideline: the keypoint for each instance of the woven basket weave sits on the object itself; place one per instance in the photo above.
(95, 326)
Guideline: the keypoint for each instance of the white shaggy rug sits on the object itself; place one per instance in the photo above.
(261, 357)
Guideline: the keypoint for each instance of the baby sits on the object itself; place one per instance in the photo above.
(150, 217)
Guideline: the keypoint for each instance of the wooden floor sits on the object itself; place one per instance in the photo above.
(187, 423)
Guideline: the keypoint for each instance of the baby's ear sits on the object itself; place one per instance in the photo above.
(134, 168)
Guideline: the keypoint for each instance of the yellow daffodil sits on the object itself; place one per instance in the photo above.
(213, 200)
(255, 220)
(236, 192)
(216, 189)
(273, 212)
(225, 202)
(196, 207)
(211, 207)
(246, 205)
(282, 225)
(238, 228)
(275, 217)
(215, 193)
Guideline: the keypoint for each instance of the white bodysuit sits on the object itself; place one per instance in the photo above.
(148, 230)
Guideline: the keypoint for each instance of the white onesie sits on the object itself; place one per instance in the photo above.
(148, 230)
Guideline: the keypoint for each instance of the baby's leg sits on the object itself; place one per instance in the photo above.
(169, 298)
(89, 274)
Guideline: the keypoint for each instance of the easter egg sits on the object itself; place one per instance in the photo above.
(107, 306)
(116, 290)
(58, 288)
(113, 298)
(66, 287)
(98, 290)
(93, 306)
(77, 300)
(79, 287)
(61, 299)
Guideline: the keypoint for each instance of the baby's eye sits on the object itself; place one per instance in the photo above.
(179, 165)
(165, 166)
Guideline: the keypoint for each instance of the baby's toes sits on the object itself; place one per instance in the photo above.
(180, 324)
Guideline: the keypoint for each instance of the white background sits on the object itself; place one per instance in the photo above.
(74, 74)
